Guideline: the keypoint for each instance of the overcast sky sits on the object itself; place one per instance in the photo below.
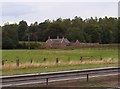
(39, 11)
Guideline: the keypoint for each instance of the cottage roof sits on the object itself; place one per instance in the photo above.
(55, 41)
(66, 40)
(58, 41)
(77, 41)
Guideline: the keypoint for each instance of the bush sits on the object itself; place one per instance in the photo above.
(8, 43)
(26, 45)
(35, 45)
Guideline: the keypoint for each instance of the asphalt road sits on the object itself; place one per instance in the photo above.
(36, 80)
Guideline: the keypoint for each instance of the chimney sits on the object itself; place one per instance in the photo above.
(57, 37)
(48, 37)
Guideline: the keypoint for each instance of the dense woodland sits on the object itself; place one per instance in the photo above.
(102, 30)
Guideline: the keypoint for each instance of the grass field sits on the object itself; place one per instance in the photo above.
(68, 59)
(38, 55)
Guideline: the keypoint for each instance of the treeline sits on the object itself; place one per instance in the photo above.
(102, 30)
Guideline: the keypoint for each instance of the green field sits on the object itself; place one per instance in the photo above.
(88, 53)
(38, 55)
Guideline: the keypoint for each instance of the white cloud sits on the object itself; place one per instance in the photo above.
(59, 1)
(32, 11)
(15, 9)
(0, 12)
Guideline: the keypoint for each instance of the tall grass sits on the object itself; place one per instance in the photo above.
(12, 66)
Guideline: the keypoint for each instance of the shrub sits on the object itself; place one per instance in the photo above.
(31, 45)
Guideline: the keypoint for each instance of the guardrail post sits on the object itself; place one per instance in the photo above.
(46, 81)
(87, 77)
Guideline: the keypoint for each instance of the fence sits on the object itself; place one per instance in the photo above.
(56, 60)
